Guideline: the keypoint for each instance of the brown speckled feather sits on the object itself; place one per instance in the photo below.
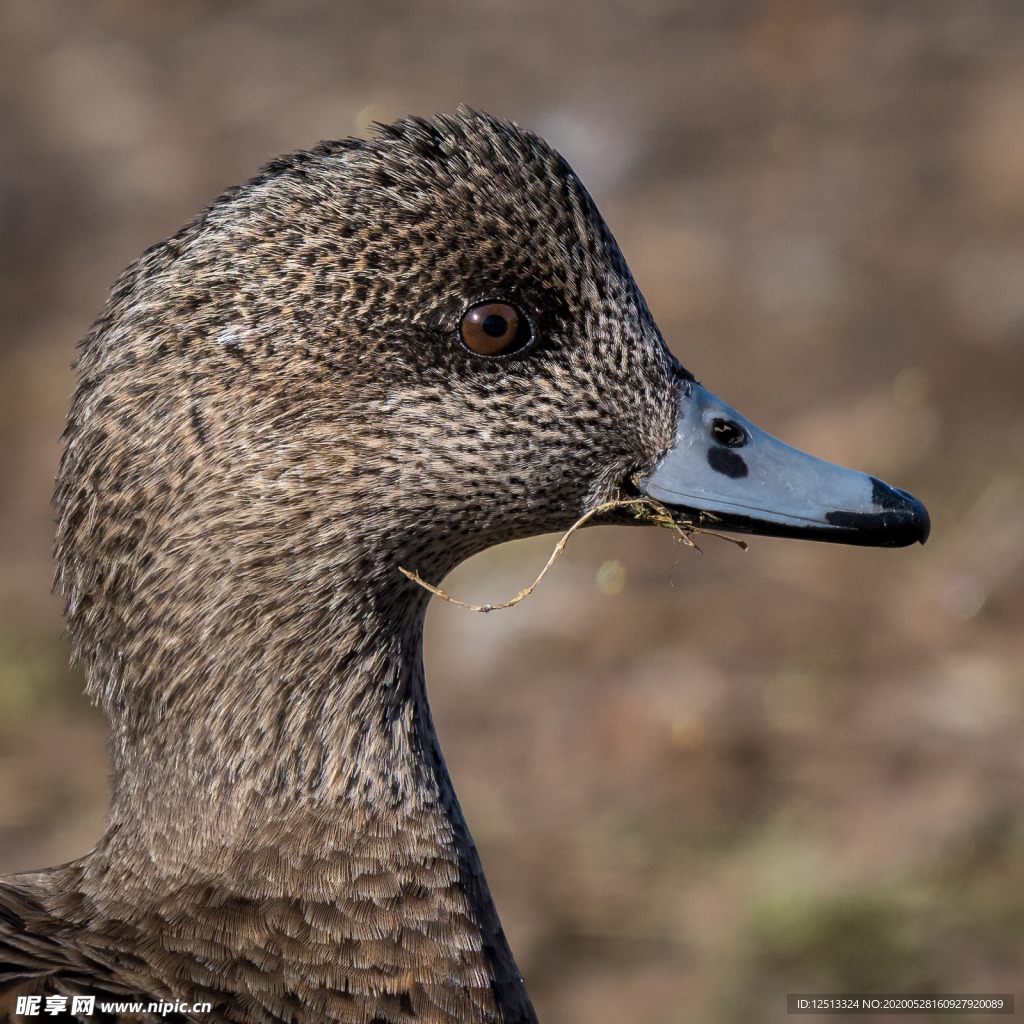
(273, 413)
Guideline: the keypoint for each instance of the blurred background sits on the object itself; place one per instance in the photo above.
(698, 780)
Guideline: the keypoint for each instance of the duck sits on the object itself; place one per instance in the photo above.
(373, 360)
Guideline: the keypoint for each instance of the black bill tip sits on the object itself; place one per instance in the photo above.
(897, 520)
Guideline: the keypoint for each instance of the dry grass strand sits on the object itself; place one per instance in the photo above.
(646, 509)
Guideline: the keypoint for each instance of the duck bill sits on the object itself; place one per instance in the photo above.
(724, 471)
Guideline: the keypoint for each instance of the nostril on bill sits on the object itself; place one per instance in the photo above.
(728, 433)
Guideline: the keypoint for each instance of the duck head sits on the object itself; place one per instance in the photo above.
(382, 353)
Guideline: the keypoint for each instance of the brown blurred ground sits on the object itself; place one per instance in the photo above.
(698, 781)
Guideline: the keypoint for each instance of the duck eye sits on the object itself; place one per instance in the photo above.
(494, 329)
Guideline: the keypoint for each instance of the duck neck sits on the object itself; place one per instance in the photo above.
(335, 731)
(336, 822)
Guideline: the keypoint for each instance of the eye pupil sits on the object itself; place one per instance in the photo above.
(495, 325)
(494, 329)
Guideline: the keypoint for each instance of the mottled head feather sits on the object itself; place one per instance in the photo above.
(277, 400)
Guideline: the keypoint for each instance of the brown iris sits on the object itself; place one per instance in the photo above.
(493, 329)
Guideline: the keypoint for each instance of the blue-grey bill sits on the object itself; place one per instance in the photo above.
(723, 471)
